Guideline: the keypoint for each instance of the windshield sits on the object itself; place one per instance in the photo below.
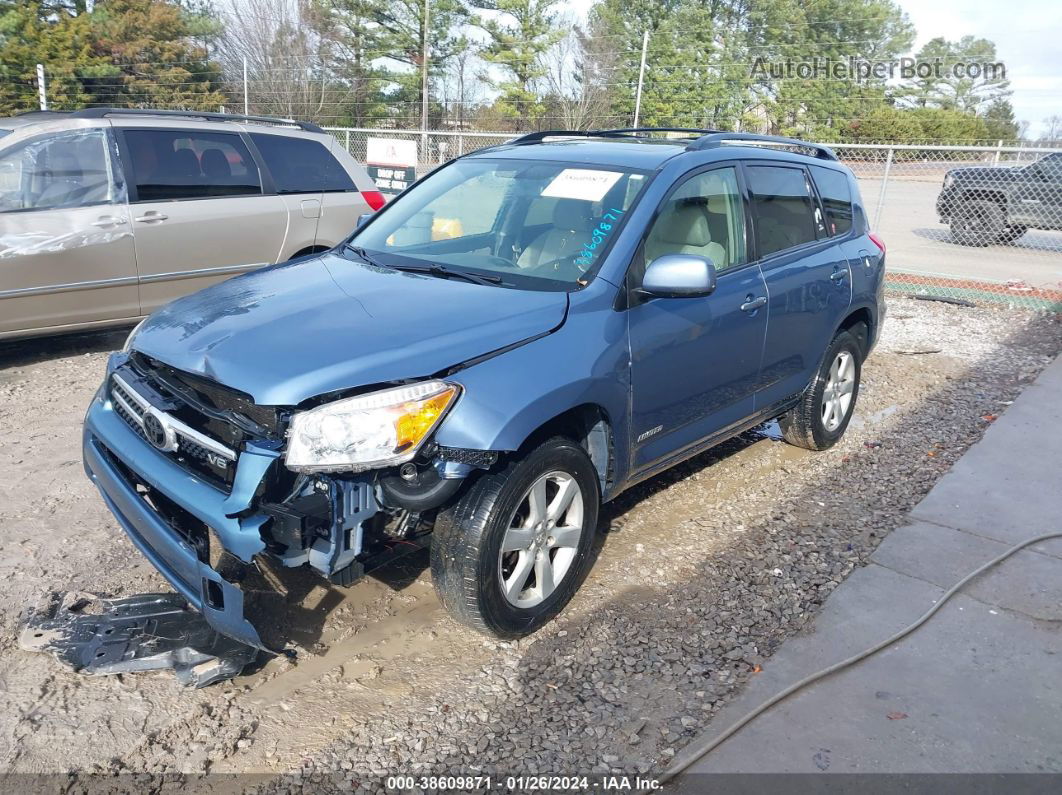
(524, 223)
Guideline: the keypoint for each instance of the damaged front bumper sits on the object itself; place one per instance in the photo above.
(112, 450)
(203, 501)
(134, 477)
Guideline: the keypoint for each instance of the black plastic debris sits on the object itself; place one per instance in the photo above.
(147, 632)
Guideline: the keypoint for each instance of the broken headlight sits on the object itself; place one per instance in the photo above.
(368, 431)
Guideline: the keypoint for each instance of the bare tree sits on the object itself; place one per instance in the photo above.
(288, 72)
(1052, 129)
(578, 70)
(458, 87)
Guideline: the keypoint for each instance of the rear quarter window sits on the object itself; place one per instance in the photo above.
(836, 194)
(300, 165)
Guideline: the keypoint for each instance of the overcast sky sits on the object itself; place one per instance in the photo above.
(1027, 35)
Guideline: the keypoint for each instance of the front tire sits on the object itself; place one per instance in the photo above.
(825, 409)
(515, 548)
(977, 223)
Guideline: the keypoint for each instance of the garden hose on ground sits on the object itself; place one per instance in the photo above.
(698, 750)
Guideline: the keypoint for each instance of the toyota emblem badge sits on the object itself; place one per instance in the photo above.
(155, 431)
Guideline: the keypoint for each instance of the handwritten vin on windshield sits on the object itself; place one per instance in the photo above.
(598, 236)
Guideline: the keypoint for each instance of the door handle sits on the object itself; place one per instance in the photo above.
(752, 304)
(838, 275)
(150, 216)
(106, 221)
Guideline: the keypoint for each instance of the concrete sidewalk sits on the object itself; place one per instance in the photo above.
(976, 690)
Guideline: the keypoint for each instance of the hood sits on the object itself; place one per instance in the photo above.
(989, 174)
(294, 331)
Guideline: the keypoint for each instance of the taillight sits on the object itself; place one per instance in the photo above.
(373, 198)
(877, 242)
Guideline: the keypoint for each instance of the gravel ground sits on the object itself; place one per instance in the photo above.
(700, 574)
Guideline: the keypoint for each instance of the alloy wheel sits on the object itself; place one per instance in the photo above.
(837, 396)
(542, 539)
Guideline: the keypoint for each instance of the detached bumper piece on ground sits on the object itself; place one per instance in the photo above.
(146, 632)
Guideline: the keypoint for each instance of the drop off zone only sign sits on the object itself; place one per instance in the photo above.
(392, 163)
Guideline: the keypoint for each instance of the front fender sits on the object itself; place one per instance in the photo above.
(507, 398)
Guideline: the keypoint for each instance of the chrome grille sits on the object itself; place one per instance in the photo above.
(190, 447)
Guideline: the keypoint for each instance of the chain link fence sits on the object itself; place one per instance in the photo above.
(433, 147)
(961, 223)
(981, 224)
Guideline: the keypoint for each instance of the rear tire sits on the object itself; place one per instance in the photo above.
(1012, 233)
(977, 223)
(515, 548)
(827, 404)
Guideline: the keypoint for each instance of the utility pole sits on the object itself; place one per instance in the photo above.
(42, 92)
(424, 88)
(641, 79)
(246, 104)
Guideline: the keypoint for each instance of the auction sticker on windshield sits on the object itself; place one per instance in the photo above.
(581, 183)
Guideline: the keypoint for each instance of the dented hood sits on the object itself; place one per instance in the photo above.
(294, 331)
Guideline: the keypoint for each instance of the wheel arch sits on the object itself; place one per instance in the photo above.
(588, 424)
(860, 323)
(307, 250)
(984, 194)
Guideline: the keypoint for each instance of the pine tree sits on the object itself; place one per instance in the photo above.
(949, 90)
(155, 55)
(999, 120)
(126, 53)
(61, 39)
(520, 33)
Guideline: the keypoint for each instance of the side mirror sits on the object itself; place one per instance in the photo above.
(679, 276)
(362, 219)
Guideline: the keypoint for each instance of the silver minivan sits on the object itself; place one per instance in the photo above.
(106, 214)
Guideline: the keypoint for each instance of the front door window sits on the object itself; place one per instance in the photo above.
(60, 171)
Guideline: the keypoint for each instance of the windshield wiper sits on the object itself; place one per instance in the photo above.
(364, 255)
(434, 269)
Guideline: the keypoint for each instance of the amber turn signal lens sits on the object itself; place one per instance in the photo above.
(418, 418)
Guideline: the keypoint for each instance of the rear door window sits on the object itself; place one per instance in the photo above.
(183, 164)
(784, 210)
(300, 165)
(836, 194)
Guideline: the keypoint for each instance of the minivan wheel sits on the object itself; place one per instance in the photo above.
(511, 553)
(822, 415)
(977, 223)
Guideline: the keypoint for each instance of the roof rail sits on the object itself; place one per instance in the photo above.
(630, 130)
(40, 113)
(719, 138)
(99, 113)
(538, 137)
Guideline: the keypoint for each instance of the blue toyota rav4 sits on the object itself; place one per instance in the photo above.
(517, 338)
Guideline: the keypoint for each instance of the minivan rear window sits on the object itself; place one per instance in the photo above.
(836, 196)
(299, 165)
(782, 206)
